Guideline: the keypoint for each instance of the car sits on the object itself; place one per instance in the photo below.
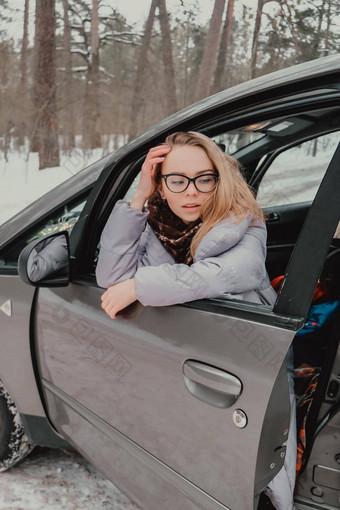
(187, 406)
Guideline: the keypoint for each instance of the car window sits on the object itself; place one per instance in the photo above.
(296, 173)
(63, 219)
(233, 141)
(132, 189)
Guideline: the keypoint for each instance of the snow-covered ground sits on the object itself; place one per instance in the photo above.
(22, 182)
(51, 479)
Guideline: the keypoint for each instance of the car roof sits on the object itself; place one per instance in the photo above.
(314, 69)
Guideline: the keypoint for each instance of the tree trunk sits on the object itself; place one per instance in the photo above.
(24, 45)
(45, 84)
(137, 98)
(224, 47)
(69, 135)
(209, 58)
(292, 29)
(317, 40)
(254, 46)
(169, 71)
(91, 127)
(21, 127)
(329, 21)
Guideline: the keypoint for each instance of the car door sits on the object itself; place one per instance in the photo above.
(176, 396)
(184, 406)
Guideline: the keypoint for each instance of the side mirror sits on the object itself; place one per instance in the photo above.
(45, 262)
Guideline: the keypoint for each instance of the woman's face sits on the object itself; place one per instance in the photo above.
(191, 162)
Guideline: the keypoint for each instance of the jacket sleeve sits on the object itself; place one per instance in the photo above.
(238, 270)
(120, 244)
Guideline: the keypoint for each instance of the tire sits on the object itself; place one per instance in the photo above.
(14, 444)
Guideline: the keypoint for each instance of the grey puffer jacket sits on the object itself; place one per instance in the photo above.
(229, 261)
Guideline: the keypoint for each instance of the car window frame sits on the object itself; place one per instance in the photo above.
(117, 177)
(260, 172)
(83, 195)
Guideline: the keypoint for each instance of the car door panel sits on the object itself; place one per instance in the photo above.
(137, 362)
(146, 480)
(16, 368)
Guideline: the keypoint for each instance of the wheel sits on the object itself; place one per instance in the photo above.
(14, 444)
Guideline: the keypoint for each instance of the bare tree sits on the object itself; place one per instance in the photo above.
(24, 45)
(289, 18)
(91, 128)
(224, 48)
(45, 84)
(69, 135)
(169, 71)
(21, 124)
(209, 58)
(329, 21)
(137, 98)
(254, 46)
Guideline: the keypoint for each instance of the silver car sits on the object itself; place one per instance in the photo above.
(187, 407)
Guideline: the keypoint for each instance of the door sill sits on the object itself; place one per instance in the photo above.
(307, 504)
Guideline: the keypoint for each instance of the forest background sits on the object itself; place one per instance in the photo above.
(78, 74)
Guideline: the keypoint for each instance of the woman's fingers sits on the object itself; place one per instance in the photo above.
(159, 149)
(110, 309)
(118, 296)
(157, 154)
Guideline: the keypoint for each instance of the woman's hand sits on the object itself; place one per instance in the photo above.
(147, 182)
(118, 296)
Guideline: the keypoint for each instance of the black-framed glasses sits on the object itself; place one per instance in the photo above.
(177, 183)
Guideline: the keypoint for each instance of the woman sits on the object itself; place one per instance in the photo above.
(201, 235)
(202, 226)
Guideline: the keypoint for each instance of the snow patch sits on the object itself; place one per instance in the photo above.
(19, 445)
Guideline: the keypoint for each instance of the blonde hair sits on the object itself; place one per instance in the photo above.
(232, 196)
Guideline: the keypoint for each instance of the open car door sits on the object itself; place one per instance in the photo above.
(184, 406)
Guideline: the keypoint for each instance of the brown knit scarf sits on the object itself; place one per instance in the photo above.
(173, 233)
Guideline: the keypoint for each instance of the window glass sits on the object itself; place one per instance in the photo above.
(132, 190)
(236, 140)
(295, 175)
(63, 219)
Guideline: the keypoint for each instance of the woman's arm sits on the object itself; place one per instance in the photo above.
(120, 244)
(238, 270)
(120, 239)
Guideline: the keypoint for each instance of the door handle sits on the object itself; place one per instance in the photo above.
(210, 384)
(273, 217)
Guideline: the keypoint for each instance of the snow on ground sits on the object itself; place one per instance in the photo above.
(51, 479)
(21, 182)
